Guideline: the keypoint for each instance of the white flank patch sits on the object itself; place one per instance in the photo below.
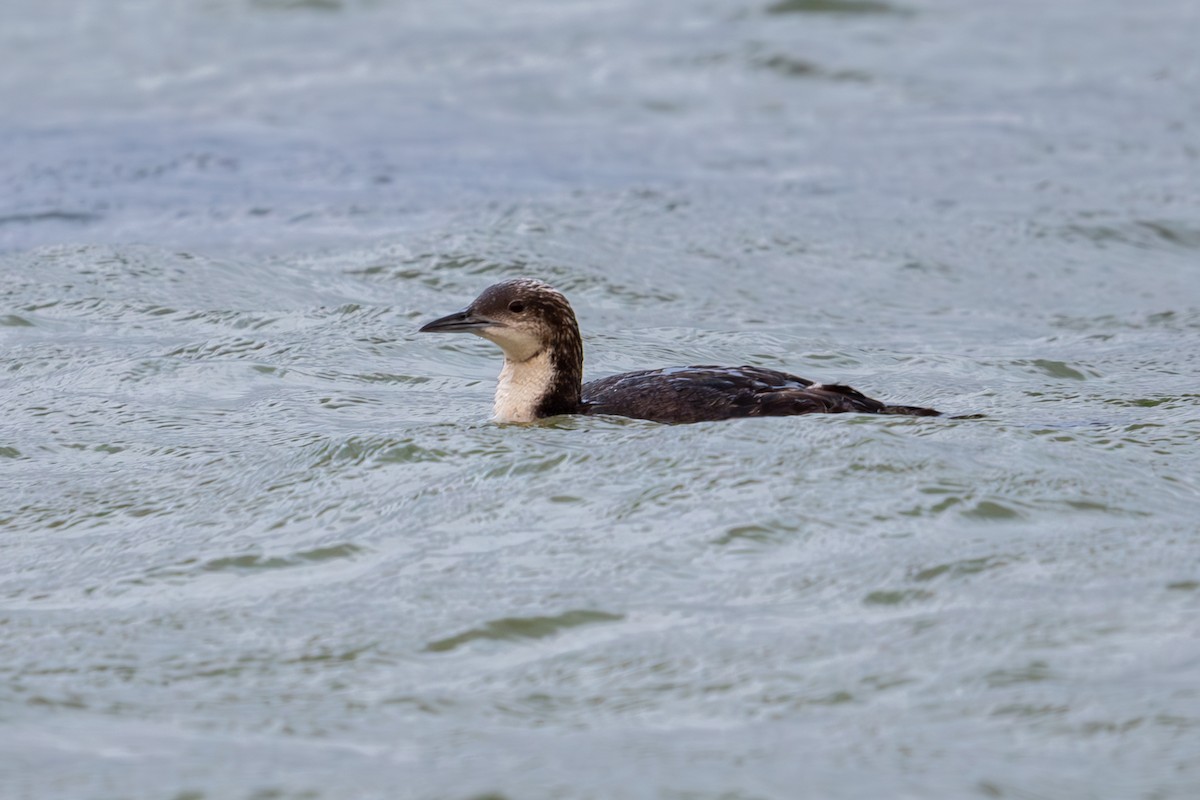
(522, 386)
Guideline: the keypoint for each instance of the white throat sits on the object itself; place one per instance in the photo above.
(522, 386)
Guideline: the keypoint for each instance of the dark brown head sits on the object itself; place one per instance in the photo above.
(534, 325)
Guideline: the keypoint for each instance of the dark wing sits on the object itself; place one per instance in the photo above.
(696, 394)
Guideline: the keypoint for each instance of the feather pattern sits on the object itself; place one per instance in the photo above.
(695, 394)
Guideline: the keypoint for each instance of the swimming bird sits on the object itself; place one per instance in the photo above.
(534, 325)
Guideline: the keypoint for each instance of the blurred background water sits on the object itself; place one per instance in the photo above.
(259, 540)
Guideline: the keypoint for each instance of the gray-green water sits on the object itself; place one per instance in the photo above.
(259, 540)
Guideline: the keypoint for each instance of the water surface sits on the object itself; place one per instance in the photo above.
(260, 539)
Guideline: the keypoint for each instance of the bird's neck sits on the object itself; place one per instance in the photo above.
(545, 385)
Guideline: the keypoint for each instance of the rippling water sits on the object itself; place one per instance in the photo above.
(260, 540)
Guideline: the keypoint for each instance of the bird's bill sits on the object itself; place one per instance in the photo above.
(460, 321)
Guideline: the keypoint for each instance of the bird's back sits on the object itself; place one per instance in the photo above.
(697, 394)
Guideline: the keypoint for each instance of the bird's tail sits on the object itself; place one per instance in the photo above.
(911, 411)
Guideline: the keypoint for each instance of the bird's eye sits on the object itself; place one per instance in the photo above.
(516, 306)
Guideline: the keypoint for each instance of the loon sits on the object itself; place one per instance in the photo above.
(543, 371)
